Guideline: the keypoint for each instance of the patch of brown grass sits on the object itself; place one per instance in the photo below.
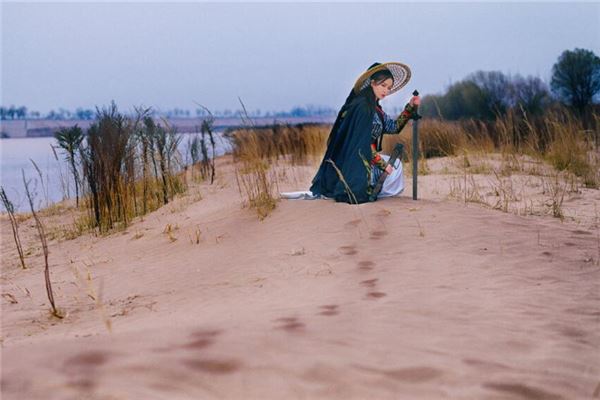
(260, 154)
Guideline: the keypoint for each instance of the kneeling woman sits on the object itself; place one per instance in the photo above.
(352, 163)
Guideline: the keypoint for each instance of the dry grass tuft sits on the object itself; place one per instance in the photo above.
(297, 144)
(169, 229)
(556, 188)
(573, 149)
(558, 137)
(55, 311)
(10, 209)
(260, 154)
(95, 296)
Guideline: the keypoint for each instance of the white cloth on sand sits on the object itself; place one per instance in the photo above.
(301, 195)
(392, 186)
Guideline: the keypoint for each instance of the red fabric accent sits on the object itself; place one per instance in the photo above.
(377, 157)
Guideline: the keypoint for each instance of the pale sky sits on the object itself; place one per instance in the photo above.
(272, 55)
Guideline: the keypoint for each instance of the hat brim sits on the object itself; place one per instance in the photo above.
(400, 72)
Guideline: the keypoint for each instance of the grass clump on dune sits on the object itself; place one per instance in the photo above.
(259, 151)
(130, 167)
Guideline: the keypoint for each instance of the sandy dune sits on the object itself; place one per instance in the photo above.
(395, 299)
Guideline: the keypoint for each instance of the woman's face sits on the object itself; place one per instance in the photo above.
(382, 88)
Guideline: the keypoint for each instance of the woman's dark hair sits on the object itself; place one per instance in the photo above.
(382, 75)
(367, 92)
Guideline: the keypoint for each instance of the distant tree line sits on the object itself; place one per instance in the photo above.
(20, 113)
(308, 111)
(487, 95)
(297, 111)
(15, 113)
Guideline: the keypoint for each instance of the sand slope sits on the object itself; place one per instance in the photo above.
(390, 300)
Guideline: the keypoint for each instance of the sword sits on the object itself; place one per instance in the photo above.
(397, 152)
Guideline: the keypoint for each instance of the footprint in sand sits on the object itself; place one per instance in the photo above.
(199, 339)
(416, 374)
(383, 213)
(484, 365)
(520, 390)
(370, 283)
(376, 235)
(202, 338)
(376, 295)
(580, 232)
(81, 369)
(290, 324)
(329, 310)
(216, 367)
(348, 250)
(354, 222)
(366, 265)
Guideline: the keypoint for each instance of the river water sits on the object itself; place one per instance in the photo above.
(56, 181)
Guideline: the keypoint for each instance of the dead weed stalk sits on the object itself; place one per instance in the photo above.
(42, 234)
(10, 210)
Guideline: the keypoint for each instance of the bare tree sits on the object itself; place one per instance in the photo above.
(530, 94)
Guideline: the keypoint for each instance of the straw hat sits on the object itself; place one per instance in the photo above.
(400, 72)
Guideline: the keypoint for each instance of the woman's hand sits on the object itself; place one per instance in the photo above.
(389, 169)
(415, 101)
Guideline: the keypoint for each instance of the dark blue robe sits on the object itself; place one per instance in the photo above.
(349, 147)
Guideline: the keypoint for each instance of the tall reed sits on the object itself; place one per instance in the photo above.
(117, 157)
(108, 151)
(69, 139)
(208, 163)
(258, 151)
(298, 143)
(44, 187)
(207, 128)
(10, 210)
(193, 151)
(42, 235)
(256, 181)
(573, 148)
